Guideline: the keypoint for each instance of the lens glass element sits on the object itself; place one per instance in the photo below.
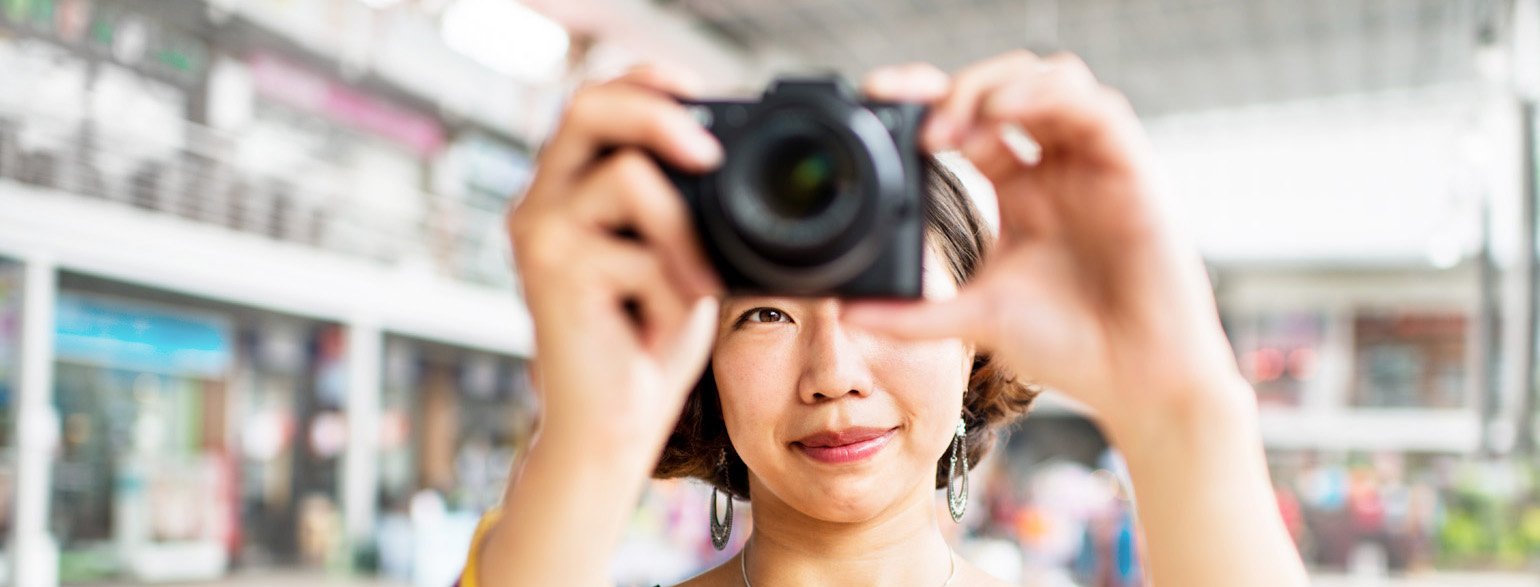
(802, 175)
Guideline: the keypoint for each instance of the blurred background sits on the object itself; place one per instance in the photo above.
(258, 321)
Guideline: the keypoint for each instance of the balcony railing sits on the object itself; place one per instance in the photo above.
(194, 173)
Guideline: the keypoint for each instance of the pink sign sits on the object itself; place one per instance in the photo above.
(298, 87)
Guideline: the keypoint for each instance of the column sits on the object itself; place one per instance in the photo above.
(35, 561)
(361, 478)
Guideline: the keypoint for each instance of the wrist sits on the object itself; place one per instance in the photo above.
(599, 445)
(1218, 412)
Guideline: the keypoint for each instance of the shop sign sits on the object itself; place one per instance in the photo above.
(110, 29)
(300, 88)
(139, 42)
(124, 335)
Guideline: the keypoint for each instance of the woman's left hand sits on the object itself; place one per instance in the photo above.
(1090, 290)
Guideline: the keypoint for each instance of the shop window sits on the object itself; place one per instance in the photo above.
(1278, 352)
(1409, 359)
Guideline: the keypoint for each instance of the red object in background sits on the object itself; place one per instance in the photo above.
(1291, 511)
(1267, 364)
(227, 496)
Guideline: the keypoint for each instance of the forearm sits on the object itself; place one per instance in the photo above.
(1205, 502)
(564, 513)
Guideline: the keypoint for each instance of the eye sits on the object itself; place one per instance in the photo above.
(764, 315)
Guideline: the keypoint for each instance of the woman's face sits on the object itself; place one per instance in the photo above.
(834, 422)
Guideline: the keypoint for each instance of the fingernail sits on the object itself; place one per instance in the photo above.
(705, 148)
(880, 84)
(1025, 148)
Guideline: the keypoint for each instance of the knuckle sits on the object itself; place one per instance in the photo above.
(1020, 58)
(585, 104)
(632, 167)
(542, 252)
(1067, 59)
(1115, 100)
(660, 129)
(517, 220)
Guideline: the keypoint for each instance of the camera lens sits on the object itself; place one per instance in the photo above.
(802, 176)
(803, 199)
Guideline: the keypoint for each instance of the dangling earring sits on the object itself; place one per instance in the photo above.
(957, 499)
(721, 530)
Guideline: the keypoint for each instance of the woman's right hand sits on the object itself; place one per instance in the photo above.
(620, 292)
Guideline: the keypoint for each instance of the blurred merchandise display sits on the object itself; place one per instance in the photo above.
(1278, 352)
(1408, 513)
(452, 423)
(290, 405)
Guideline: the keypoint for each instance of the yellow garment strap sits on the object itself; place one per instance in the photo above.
(468, 577)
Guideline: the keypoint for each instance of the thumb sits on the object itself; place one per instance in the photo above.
(684, 356)
(957, 317)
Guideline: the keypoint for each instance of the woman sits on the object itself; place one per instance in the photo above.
(840, 418)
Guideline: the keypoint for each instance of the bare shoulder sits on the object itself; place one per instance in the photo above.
(723, 575)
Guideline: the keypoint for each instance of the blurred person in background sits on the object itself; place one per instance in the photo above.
(1088, 290)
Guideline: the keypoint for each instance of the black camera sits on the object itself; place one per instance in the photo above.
(821, 193)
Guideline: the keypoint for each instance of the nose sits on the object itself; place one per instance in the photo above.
(834, 361)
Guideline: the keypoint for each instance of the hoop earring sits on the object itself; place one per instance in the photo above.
(721, 529)
(957, 499)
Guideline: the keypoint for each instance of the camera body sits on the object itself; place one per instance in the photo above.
(820, 193)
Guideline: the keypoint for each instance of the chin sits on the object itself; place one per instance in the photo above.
(847, 499)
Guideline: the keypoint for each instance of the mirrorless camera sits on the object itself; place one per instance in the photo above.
(820, 193)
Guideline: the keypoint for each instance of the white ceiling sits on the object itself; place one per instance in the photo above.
(1167, 55)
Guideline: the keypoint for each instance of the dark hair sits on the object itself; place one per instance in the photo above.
(958, 232)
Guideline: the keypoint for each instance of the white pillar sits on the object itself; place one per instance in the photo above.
(35, 556)
(361, 478)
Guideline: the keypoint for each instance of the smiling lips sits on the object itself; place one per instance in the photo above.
(845, 446)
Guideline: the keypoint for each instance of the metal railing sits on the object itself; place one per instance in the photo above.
(193, 172)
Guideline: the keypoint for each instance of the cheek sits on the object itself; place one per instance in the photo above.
(933, 373)
(927, 382)
(752, 384)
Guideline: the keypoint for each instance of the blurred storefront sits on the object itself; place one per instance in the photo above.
(290, 406)
(452, 422)
(141, 484)
(195, 436)
(10, 351)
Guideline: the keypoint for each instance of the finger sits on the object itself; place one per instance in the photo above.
(628, 191)
(952, 117)
(961, 316)
(961, 112)
(619, 114)
(1060, 113)
(630, 272)
(911, 82)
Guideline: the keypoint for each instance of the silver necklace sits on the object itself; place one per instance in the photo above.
(743, 565)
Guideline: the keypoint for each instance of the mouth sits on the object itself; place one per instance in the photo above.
(845, 446)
